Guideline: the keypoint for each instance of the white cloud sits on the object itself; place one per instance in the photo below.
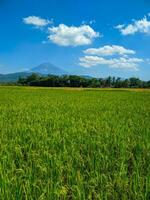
(120, 26)
(119, 63)
(64, 35)
(109, 51)
(37, 21)
(141, 26)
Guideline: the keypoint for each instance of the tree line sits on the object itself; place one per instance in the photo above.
(79, 81)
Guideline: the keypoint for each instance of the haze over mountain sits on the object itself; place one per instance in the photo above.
(48, 68)
(43, 69)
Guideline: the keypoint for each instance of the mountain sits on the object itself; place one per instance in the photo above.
(45, 69)
(13, 77)
(48, 68)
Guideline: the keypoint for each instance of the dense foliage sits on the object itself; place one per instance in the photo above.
(78, 81)
(84, 144)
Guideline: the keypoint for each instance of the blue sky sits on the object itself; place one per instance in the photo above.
(101, 37)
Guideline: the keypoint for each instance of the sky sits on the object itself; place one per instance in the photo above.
(102, 37)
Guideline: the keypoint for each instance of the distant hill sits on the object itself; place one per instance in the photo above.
(43, 69)
(48, 68)
(13, 77)
(86, 76)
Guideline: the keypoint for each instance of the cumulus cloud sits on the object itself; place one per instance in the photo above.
(109, 51)
(37, 21)
(64, 35)
(119, 63)
(141, 26)
(118, 57)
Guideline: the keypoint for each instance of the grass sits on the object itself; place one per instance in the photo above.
(74, 144)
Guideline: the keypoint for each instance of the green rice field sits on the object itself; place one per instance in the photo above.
(82, 144)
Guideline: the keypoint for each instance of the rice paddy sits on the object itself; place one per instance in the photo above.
(74, 144)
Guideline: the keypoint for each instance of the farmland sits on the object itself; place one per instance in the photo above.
(74, 143)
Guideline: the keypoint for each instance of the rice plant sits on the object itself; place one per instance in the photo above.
(74, 144)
